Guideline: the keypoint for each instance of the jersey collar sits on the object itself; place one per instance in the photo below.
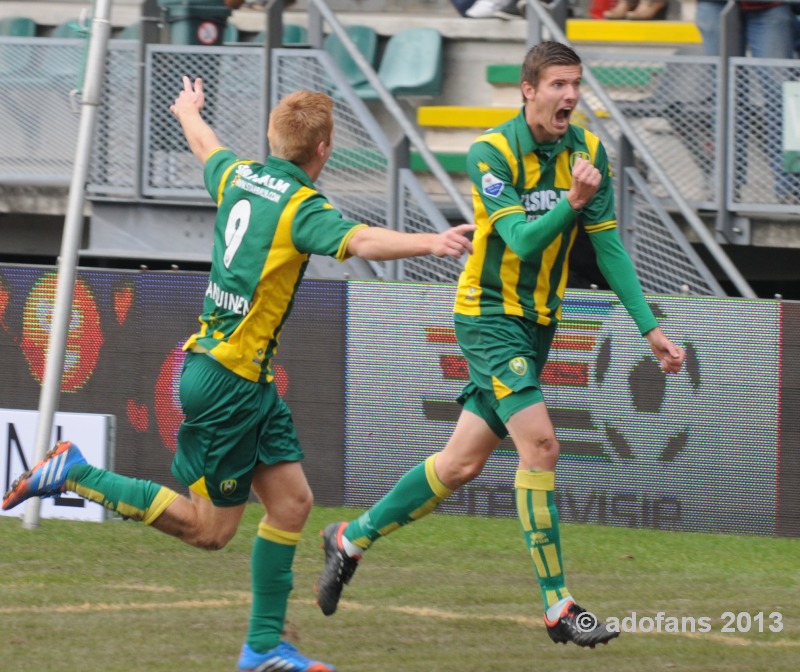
(274, 163)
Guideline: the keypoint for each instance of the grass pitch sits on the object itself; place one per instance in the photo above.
(447, 594)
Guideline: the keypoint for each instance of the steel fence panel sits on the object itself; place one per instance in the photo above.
(664, 260)
(233, 81)
(671, 102)
(38, 118)
(113, 166)
(756, 180)
(419, 215)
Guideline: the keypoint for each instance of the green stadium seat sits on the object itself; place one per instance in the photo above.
(16, 59)
(17, 26)
(365, 39)
(411, 65)
(230, 34)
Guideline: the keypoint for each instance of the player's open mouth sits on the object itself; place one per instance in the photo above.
(563, 115)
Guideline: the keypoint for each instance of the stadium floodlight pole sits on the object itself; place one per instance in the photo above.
(70, 241)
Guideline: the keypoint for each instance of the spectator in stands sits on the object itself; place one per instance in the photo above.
(767, 31)
(767, 28)
(491, 9)
(238, 433)
(462, 6)
(636, 10)
(536, 180)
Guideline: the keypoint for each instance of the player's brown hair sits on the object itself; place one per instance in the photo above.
(299, 122)
(542, 56)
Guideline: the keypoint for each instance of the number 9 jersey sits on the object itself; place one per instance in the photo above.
(270, 220)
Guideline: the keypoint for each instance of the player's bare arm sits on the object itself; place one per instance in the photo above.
(379, 244)
(585, 182)
(666, 352)
(187, 106)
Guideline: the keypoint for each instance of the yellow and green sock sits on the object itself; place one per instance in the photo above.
(132, 498)
(272, 581)
(415, 495)
(538, 515)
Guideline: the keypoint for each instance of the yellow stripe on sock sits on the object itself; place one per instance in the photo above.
(541, 512)
(86, 493)
(439, 488)
(551, 596)
(162, 500)
(538, 561)
(524, 509)
(382, 531)
(266, 531)
(551, 556)
(535, 480)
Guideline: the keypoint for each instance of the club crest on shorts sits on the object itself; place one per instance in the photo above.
(228, 486)
(519, 365)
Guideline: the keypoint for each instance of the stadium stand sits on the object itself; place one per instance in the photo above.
(366, 39)
(411, 65)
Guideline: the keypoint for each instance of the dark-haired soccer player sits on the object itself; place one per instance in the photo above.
(238, 433)
(535, 180)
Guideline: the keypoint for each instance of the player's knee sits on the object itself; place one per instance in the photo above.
(548, 443)
(458, 473)
(303, 500)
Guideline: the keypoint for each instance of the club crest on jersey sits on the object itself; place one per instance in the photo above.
(578, 155)
(228, 487)
(491, 185)
(518, 365)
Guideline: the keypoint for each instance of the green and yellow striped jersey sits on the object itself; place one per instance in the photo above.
(517, 182)
(270, 219)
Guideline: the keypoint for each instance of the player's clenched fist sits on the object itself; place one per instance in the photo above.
(585, 181)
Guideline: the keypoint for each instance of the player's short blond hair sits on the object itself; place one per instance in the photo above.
(297, 125)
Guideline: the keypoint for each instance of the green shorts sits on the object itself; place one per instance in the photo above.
(231, 425)
(506, 355)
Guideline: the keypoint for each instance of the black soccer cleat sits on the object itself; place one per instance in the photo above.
(339, 568)
(580, 626)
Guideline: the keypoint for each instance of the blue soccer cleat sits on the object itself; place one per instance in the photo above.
(283, 658)
(47, 478)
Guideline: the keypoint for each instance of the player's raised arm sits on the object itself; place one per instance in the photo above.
(200, 136)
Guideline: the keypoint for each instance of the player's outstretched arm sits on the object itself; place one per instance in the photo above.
(200, 136)
(379, 244)
(667, 353)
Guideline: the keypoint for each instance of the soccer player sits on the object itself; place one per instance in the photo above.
(535, 180)
(238, 433)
